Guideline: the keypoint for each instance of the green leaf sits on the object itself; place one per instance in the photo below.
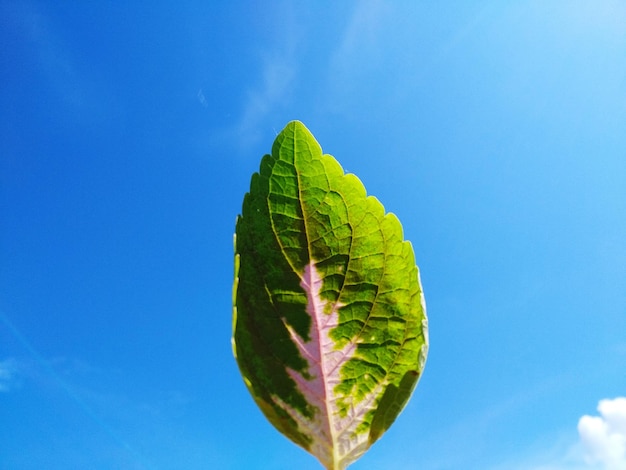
(330, 329)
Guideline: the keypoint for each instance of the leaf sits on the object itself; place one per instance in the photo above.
(330, 329)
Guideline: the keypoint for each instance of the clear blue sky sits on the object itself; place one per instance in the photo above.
(495, 130)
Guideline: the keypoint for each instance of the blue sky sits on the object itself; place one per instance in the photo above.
(128, 135)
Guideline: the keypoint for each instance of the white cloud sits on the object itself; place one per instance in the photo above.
(601, 444)
(604, 436)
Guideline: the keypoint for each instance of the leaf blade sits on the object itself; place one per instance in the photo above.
(330, 329)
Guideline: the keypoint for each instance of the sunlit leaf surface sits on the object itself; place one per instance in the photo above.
(330, 329)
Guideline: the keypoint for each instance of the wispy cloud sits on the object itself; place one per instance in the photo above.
(358, 55)
(267, 95)
(604, 437)
(72, 85)
(8, 371)
(278, 74)
(361, 36)
(272, 91)
(50, 51)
